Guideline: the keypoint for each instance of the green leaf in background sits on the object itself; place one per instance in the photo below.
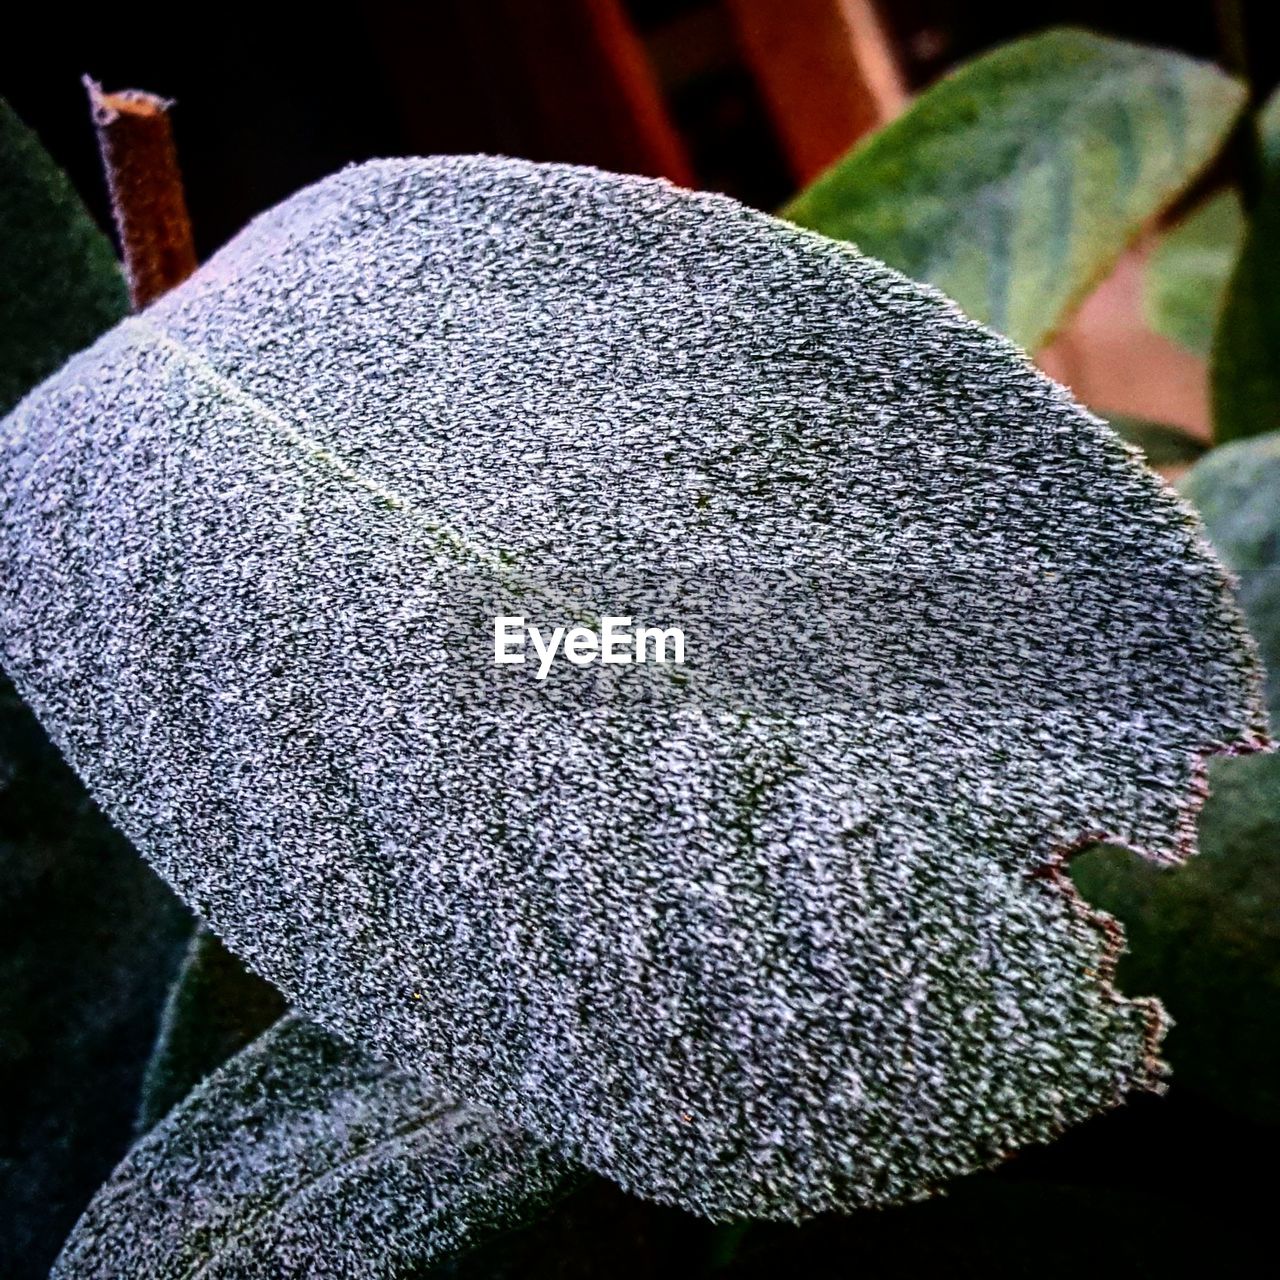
(1236, 489)
(302, 1157)
(1187, 274)
(769, 934)
(1245, 367)
(1162, 445)
(89, 935)
(1015, 183)
(215, 1008)
(62, 283)
(1205, 936)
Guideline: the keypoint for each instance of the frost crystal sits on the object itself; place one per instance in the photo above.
(779, 934)
(310, 1160)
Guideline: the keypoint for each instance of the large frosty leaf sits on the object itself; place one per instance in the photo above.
(1015, 183)
(1245, 367)
(304, 1157)
(88, 933)
(765, 934)
(215, 1008)
(62, 284)
(1187, 276)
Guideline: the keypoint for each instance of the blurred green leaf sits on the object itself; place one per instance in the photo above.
(90, 934)
(1245, 367)
(1188, 273)
(215, 1008)
(1205, 936)
(1162, 445)
(1236, 489)
(62, 284)
(314, 1159)
(1015, 183)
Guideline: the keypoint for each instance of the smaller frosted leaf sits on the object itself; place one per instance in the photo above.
(215, 1008)
(1245, 366)
(1015, 183)
(1188, 272)
(303, 1157)
(62, 285)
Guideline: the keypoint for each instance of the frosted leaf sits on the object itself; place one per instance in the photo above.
(304, 1157)
(775, 932)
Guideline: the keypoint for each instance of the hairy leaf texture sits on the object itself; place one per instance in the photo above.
(774, 932)
(303, 1157)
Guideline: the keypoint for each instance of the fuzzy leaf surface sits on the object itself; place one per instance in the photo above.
(1015, 183)
(303, 1157)
(765, 934)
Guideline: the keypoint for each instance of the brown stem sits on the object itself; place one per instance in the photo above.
(136, 141)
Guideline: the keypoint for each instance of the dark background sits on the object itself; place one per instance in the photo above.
(271, 98)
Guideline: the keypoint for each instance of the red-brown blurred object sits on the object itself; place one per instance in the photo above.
(569, 81)
(141, 163)
(827, 70)
(1111, 360)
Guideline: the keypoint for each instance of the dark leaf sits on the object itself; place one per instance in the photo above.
(1162, 445)
(215, 1008)
(1245, 367)
(1205, 937)
(62, 284)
